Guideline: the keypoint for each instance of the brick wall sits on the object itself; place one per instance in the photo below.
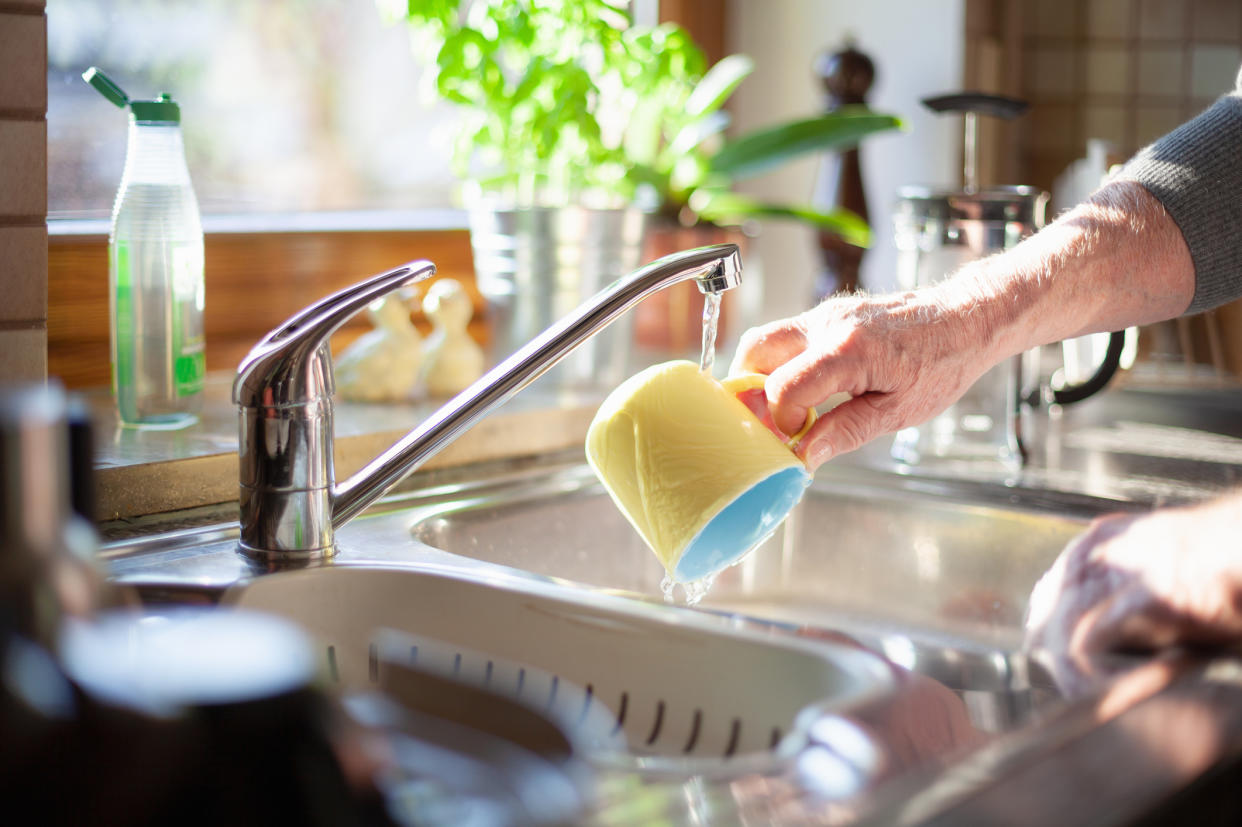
(23, 190)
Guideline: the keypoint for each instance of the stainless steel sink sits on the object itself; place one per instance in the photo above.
(934, 574)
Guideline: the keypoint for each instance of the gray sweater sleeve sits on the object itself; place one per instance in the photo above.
(1196, 173)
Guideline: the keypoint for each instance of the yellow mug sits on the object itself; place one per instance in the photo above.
(693, 467)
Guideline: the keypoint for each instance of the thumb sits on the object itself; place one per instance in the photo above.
(846, 427)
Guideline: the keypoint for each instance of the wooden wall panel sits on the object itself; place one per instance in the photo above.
(23, 191)
(254, 281)
(705, 20)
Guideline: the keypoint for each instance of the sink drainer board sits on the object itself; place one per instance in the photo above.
(631, 679)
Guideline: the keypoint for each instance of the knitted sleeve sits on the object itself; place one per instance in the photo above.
(1196, 173)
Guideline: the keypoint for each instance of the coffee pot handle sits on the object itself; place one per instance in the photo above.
(1100, 378)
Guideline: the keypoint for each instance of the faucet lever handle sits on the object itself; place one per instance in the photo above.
(320, 320)
(275, 370)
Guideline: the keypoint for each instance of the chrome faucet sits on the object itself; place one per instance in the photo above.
(290, 503)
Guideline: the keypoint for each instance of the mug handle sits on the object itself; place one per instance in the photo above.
(1103, 374)
(743, 386)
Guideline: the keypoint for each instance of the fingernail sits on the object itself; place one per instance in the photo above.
(818, 452)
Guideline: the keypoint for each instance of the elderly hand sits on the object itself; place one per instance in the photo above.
(1139, 583)
(902, 358)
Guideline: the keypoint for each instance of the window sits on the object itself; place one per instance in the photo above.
(291, 106)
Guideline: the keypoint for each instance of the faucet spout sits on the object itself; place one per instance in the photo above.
(280, 524)
(715, 268)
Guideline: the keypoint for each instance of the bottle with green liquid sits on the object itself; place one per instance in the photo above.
(155, 270)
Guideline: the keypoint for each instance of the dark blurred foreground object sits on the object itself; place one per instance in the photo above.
(47, 539)
(847, 76)
(214, 716)
(197, 717)
(206, 718)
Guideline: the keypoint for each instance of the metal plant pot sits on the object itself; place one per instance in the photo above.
(535, 265)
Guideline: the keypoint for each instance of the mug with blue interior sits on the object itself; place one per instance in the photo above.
(694, 468)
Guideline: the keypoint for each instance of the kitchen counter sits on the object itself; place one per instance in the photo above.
(143, 472)
(1140, 443)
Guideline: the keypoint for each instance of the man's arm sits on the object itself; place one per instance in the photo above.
(1114, 261)
(1117, 260)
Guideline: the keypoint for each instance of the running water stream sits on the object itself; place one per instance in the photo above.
(696, 590)
(711, 320)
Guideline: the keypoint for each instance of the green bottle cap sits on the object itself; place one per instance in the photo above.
(161, 110)
(106, 86)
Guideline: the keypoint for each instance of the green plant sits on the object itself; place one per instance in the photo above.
(566, 101)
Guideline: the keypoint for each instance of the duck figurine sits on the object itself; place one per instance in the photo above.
(454, 359)
(383, 364)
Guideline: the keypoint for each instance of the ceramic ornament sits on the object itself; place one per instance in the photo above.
(454, 359)
(383, 364)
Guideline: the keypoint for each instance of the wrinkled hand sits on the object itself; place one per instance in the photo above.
(1139, 583)
(903, 358)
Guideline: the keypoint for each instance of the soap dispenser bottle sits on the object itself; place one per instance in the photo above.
(155, 270)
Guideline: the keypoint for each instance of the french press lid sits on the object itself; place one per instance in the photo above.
(995, 218)
(1023, 207)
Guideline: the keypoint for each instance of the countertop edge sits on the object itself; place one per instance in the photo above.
(139, 489)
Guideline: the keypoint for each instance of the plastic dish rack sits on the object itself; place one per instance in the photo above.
(660, 687)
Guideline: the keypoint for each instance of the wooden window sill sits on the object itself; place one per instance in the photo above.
(259, 271)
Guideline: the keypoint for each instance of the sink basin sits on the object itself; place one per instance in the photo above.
(936, 576)
(693, 691)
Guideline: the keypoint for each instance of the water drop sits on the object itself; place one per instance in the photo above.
(696, 590)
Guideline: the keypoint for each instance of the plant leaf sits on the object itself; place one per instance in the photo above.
(767, 148)
(724, 207)
(642, 134)
(695, 133)
(718, 84)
